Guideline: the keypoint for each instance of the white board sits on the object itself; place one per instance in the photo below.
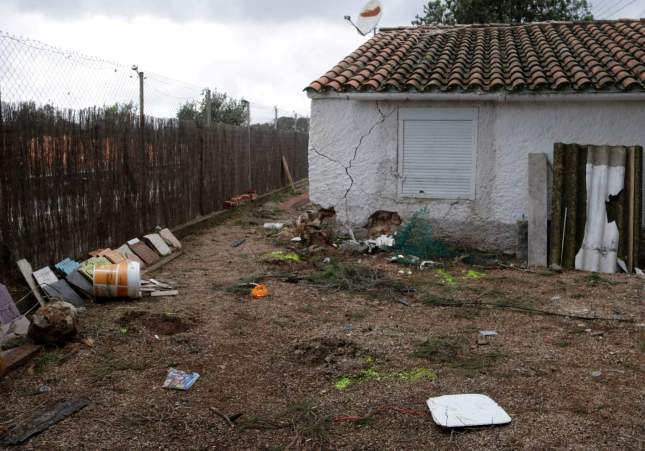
(469, 410)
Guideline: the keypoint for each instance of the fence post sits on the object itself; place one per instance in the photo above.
(275, 117)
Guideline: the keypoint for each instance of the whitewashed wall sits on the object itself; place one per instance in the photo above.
(353, 150)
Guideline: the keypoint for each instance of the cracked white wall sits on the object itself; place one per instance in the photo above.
(353, 152)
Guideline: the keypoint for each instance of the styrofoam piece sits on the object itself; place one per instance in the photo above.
(158, 243)
(467, 410)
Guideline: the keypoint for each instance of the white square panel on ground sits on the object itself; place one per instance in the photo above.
(455, 411)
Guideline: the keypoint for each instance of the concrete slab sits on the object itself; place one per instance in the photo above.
(538, 209)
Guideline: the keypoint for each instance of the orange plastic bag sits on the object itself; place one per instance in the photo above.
(260, 291)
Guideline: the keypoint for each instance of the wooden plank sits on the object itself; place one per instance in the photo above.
(27, 272)
(44, 420)
(285, 166)
(8, 309)
(16, 357)
(80, 282)
(63, 291)
(156, 294)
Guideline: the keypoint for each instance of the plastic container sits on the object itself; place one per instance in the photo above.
(117, 281)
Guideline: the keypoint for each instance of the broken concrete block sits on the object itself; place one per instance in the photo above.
(146, 254)
(127, 252)
(170, 238)
(54, 323)
(15, 329)
(158, 244)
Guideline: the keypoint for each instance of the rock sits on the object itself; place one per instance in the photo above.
(54, 323)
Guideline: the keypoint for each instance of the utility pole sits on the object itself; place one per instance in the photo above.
(295, 121)
(275, 114)
(208, 108)
(248, 128)
(142, 116)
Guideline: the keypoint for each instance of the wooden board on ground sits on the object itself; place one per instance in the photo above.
(285, 166)
(160, 293)
(44, 420)
(28, 273)
(125, 250)
(80, 282)
(45, 276)
(170, 238)
(16, 357)
(146, 254)
(61, 290)
(8, 309)
(157, 243)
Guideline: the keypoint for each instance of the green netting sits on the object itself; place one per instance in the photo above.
(416, 239)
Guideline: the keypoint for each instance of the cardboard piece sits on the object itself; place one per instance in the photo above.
(127, 252)
(67, 266)
(45, 276)
(146, 254)
(80, 283)
(158, 244)
(8, 309)
(62, 291)
(170, 238)
(27, 272)
(469, 410)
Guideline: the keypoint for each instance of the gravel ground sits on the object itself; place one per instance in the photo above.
(278, 360)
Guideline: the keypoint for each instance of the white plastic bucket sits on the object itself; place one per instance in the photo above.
(117, 281)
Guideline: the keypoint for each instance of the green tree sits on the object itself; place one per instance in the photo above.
(501, 11)
(224, 109)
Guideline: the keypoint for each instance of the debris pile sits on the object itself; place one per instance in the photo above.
(236, 201)
(62, 290)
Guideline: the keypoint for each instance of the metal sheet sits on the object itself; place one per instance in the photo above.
(605, 177)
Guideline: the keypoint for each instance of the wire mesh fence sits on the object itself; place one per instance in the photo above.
(36, 72)
(82, 169)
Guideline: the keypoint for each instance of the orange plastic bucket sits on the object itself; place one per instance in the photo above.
(117, 281)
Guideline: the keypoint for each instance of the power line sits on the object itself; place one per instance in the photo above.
(622, 8)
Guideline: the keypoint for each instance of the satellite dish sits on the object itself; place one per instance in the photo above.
(368, 18)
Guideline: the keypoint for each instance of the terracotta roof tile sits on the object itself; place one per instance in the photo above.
(550, 56)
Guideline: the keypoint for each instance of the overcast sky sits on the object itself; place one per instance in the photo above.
(264, 50)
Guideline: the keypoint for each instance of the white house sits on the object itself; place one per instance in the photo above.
(444, 118)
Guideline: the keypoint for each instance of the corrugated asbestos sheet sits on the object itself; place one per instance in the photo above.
(596, 206)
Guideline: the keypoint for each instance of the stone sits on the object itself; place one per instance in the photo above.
(55, 323)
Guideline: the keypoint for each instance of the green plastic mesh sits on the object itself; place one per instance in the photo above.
(415, 238)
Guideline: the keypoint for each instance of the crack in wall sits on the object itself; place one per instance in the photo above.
(348, 166)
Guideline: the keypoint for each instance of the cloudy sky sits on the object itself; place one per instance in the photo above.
(266, 51)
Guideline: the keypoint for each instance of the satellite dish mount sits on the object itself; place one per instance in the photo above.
(368, 18)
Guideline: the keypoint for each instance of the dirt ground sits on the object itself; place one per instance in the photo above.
(322, 367)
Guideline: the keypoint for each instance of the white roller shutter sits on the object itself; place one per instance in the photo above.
(437, 152)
